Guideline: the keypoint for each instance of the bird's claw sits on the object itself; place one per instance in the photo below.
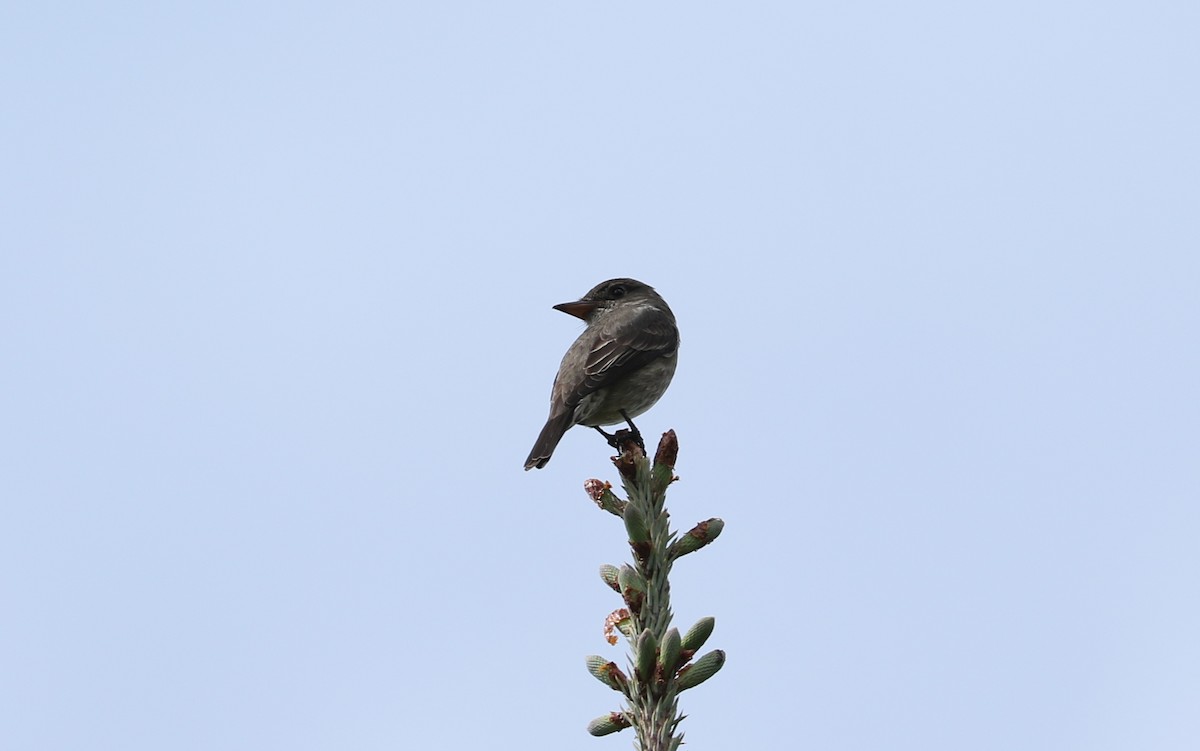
(619, 439)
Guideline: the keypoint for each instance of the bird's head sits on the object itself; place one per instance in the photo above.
(607, 295)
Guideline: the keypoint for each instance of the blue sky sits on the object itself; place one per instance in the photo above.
(275, 289)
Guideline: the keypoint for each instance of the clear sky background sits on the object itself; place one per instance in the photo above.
(275, 289)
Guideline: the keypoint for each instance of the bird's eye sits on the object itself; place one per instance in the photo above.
(616, 292)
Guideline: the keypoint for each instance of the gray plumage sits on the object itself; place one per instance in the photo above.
(622, 362)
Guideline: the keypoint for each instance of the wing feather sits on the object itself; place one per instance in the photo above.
(621, 349)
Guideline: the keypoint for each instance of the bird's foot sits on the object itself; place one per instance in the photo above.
(619, 439)
(635, 435)
(610, 438)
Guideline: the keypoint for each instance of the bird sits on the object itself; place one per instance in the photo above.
(618, 368)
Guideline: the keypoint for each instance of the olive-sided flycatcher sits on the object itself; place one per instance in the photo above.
(619, 366)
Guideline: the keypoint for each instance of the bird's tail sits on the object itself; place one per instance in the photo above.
(551, 434)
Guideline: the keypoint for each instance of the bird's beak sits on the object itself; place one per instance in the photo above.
(580, 309)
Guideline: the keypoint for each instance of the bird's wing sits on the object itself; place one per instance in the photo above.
(619, 350)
